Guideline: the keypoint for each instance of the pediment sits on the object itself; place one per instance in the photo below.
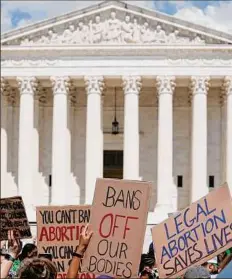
(114, 23)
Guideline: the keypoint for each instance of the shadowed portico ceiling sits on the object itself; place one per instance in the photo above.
(114, 23)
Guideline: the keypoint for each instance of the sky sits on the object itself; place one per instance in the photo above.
(215, 14)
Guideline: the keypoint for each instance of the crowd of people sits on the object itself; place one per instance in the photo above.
(23, 262)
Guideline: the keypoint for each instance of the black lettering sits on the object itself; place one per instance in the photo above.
(127, 273)
(172, 269)
(124, 248)
(110, 195)
(138, 200)
(92, 264)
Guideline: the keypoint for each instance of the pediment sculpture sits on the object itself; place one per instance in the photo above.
(113, 31)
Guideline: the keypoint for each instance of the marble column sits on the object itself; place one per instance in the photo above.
(60, 135)
(165, 90)
(27, 89)
(228, 93)
(4, 104)
(132, 86)
(199, 187)
(94, 137)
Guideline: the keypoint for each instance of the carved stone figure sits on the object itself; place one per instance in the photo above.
(197, 40)
(53, 38)
(127, 30)
(26, 42)
(83, 32)
(173, 37)
(97, 30)
(146, 34)
(68, 34)
(43, 40)
(114, 29)
(160, 35)
(136, 32)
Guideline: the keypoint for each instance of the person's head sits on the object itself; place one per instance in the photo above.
(29, 250)
(98, 19)
(147, 261)
(113, 15)
(211, 266)
(37, 268)
(197, 272)
(127, 18)
(145, 274)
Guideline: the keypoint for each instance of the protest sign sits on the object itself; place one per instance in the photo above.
(118, 221)
(13, 217)
(58, 233)
(195, 235)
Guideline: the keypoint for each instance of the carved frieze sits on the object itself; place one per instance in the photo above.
(114, 30)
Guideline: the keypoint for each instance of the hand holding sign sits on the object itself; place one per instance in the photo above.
(14, 244)
(84, 239)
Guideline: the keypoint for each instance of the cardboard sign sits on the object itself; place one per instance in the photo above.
(196, 234)
(58, 233)
(118, 220)
(13, 217)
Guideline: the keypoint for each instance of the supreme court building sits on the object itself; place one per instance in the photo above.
(116, 91)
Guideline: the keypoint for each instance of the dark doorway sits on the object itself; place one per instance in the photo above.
(113, 164)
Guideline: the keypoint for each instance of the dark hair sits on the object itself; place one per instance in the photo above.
(151, 250)
(146, 260)
(28, 248)
(37, 268)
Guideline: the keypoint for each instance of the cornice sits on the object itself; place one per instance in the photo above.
(70, 52)
(178, 62)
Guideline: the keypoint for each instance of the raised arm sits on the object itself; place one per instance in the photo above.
(79, 253)
(14, 248)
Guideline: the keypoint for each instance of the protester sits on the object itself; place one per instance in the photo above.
(33, 267)
(147, 274)
(29, 250)
(37, 268)
(224, 259)
(14, 248)
(197, 272)
(79, 253)
(212, 267)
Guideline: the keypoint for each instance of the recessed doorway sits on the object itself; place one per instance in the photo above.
(113, 164)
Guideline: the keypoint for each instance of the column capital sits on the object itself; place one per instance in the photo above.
(94, 84)
(131, 84)
(199, 85)
(165, 84)
(60, 84)
(227, 85)
(27, 85)
(3, 84)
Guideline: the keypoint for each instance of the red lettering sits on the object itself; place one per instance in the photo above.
(127, 228)
(52, 234)
(62, 233)
(115, 221)
(111, 224)
(43, 234)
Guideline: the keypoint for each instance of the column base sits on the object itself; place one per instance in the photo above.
(31, 212)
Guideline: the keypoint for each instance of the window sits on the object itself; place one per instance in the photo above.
(50, 180)
(179, 181)
(211, 181)
(113, 164)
